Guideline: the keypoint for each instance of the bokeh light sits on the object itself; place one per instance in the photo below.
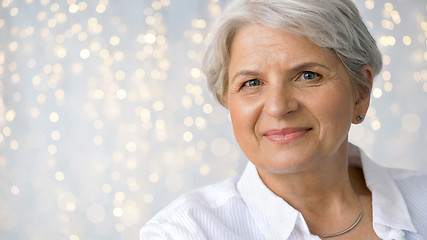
(105, 116)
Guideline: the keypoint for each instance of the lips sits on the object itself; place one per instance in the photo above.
(286, 135)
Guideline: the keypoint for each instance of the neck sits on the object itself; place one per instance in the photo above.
(323, 193)
(327, 175)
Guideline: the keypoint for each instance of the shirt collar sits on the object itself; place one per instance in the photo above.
(268, 210)
(388, 205)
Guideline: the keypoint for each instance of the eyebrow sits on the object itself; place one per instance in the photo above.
(248, 73)
(297, 68)
(303, 66)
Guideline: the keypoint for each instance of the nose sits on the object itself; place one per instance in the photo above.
(280, 101)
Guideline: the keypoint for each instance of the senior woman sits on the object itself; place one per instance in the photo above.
(295, 74)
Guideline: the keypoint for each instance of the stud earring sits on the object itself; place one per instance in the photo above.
(359, 118)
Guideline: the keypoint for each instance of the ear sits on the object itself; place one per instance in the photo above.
(363, 100)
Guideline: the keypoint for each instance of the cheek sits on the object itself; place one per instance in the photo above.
(238, 116)
(334, 109)
(244, 116)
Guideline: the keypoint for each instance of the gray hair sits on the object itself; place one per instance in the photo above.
(334, 25)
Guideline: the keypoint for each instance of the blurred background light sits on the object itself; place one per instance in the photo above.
(105, 116)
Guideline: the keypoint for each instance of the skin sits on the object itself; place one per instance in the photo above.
(292, 104)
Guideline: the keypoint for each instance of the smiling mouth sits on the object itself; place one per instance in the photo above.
(286, 135)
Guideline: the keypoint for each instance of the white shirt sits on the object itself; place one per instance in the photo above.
(244, 208)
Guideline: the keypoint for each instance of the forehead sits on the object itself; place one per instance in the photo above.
(255, 43)
(258, 34)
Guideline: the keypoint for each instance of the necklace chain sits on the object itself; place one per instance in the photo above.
(347, 229)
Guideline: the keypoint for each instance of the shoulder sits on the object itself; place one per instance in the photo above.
(409, 180)
(208, 197)
(184, 216)
(412, 184)
(398, 196)
(413, 187)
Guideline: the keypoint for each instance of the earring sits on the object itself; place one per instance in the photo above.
(359, 118)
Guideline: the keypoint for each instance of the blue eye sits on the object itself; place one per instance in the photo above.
(252, 83)
(309, 75)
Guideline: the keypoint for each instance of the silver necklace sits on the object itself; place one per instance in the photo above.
(347, 229)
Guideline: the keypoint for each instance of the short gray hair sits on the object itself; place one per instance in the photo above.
(335, 25)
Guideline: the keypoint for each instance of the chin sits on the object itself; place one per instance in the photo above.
(283, 164)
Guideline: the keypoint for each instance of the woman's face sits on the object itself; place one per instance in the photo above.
(291, 102)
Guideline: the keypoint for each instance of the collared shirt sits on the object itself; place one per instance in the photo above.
(242, 207)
